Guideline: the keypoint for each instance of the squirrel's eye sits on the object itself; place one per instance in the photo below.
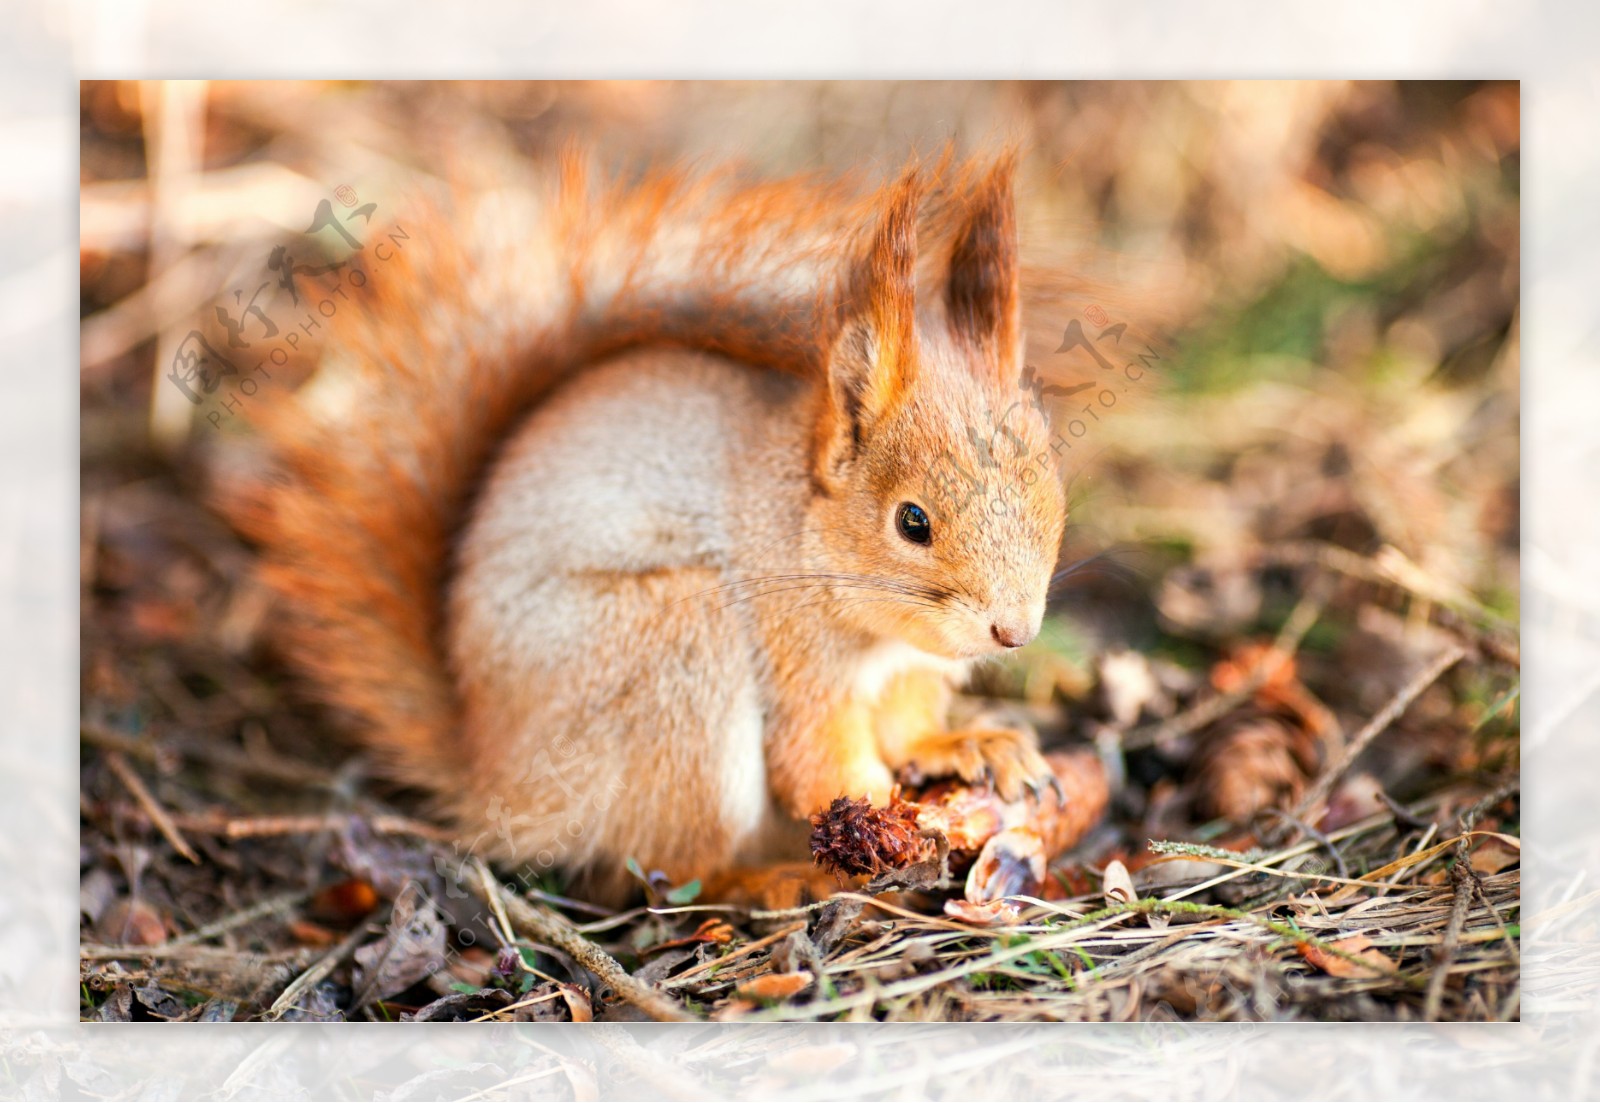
(914, 523)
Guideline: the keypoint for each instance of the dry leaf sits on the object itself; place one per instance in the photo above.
(1118, 884)
(1358, 945)
(991, 913)
(1355, 798)
(774, 986)
(130, 922)
(308, 933)
(712, 930)
(577, 1003)
(1128, 685)
(345, 903)
(1492, 855)
(460, 1007)
(734, 1010)
(411, 948)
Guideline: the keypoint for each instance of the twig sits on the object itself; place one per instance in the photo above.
(284, 770)
(1312, 833)
(1469, 815)
(249, 827)
(1402, 815)
(526, 1001)
(92, 951)
(1422, 844)
(239, 918)
(1212, 709)
(722, 962)
(1463, 881)
(491, 894)
(1489, 636)
(1499, 920)
(546, 926)
(1240, 868)
(570, 904)
(158, 815)
(1375, 727)
(314, 975)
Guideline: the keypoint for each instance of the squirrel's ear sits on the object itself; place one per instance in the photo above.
(982, 297)
(873, 358)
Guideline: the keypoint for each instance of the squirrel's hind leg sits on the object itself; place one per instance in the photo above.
(624, 720)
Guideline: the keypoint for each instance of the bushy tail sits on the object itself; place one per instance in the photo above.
(486, 301)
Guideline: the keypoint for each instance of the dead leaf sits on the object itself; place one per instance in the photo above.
(412, 947)
(118, 1007)
(1128, 685)
(1118, 884)
(733, 1010)
(345, 903)
(473, 965)
(460, 1007)
(834, 922)
(130, 922)
(1377, 963)
(1492, 855)
(96, 893)
(774, 986)
(215, 1010)
(140, 1003)
(578, 1004)
(320, 1005)
(308, 933)
(990, 913)
(712, 930)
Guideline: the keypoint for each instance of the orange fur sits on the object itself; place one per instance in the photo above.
(587, 523)
(912, 707)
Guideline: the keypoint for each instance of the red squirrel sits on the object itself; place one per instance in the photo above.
(641, 521)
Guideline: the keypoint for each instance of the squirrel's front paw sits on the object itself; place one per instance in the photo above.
(1007, 758)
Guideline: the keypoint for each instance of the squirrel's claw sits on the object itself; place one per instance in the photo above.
(1004, 761)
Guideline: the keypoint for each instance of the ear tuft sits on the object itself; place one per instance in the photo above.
(887, 275)
(873, 358)
(982, 295)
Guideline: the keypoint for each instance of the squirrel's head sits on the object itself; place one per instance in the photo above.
(938, 503)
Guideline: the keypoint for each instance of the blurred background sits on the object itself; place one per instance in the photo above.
(1321, 457)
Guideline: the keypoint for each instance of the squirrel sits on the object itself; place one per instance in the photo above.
(639, 521)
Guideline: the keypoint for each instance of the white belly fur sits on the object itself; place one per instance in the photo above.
(892, 657)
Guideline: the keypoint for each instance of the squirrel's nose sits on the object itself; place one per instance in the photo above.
(1012, 634)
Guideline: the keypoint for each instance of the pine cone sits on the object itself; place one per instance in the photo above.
(853, 837)
(1248, 765)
